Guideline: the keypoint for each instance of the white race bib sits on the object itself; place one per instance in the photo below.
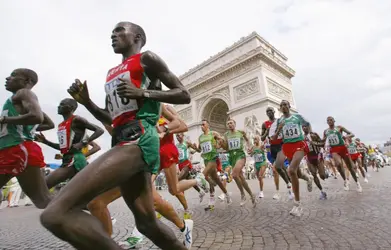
(206, 147)
(333, 139)
(3, 126)
(233, 143)
(223, 157)
(62, 138)
(352, 150)
(258, 158)
(181, 154)
(116, 105)
(291, 131)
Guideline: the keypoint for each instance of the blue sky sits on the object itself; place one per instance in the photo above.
(339, 49)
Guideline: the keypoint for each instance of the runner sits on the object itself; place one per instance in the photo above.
(268, 128)
(234, 143)
(356, 157)
(71, 137)
(338, 150)
(226, 169)
(208, 148)
(185, 165)
(314, 159)
(19, 155)
(260, 162)
(86, 151)
(294, 147)
(362, 149)
(133, 96)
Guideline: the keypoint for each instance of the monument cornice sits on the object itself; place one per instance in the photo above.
(246, 48)
(240, 63)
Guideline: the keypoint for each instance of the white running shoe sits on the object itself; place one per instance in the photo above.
(228, 198)
(297, 210)
(261, 194)
(188, 234)
(221, 197)
(276, 196)
(243, 200)
(366, 180)
(359, 188)
(346, 186)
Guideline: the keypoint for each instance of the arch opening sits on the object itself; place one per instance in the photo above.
(216, 112)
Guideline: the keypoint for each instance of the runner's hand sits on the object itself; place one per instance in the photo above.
(126, 89)
(40, 138)
(79, 92)
(58, 156)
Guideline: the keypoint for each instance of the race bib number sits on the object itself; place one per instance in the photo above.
(223, 157)
(333, 140)
(3, 126)
(233, 143)
(291, 131)
(62, 138)
(352, 150)
(181, 154)
(258, 158)
(206, 147)
(116, 105)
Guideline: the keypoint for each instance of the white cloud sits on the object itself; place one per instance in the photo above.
(339, 49)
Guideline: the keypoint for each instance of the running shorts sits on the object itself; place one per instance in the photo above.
(259, 165)
(169, 155)
(219, 165)
(290, 149)
(355, 156)
(236, 156)
(185, 163)
(13, 160)
(143, 134)
(274, 149)
(74, 159)
(35, 156)
(313, 159)
(340, 150)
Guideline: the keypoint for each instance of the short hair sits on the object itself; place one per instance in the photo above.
(270, 108)
(139, 31)
(205, 120)
(289, 104)
(30, 74)
(72, 103)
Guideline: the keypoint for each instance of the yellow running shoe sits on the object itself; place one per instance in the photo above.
(187, 216)
(158, 216)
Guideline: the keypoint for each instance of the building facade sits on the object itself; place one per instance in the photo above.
(240, 82)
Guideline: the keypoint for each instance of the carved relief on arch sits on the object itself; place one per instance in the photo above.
(247, 89)
(186, 114)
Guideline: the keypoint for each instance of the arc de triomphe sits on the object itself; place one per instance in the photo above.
(239, 82)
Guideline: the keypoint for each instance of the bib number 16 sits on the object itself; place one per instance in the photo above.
(114, 102)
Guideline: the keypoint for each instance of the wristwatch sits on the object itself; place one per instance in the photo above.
(85, 142)
(167, 131)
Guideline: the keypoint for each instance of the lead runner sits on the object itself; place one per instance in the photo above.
(133, 96)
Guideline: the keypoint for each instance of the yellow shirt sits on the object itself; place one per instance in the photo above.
(85, 150)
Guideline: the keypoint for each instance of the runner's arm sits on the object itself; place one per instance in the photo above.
(264, 132)
(223, 140)
(176, 125)
(320, 142)
(248, 144)
(30, 103)
(156, 68)
(101, 115)
(95, 148)
(348, 133)
(84, 124)
(47, 123)
(41, 138)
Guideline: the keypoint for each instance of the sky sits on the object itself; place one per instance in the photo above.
(340, 49)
